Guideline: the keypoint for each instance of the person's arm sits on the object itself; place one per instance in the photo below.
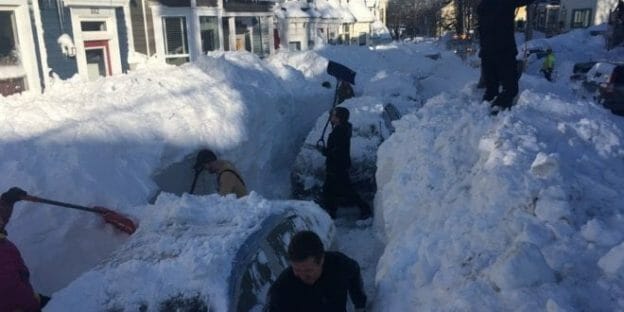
(356, 285)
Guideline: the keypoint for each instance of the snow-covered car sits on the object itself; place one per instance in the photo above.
(611, 92)
(604, 81)
(372, 123)
(579, 71)
(196, 253)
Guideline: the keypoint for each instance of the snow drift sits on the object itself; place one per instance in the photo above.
(182, 257)
(514, 212)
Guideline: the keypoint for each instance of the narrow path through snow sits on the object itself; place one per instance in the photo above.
(360, 243)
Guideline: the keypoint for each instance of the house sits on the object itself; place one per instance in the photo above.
(44, 40)
(178, 31)
(60, 39)
(556, 16)
(302, 25)
(584, 13)
(18, 59)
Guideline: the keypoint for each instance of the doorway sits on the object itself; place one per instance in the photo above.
(98, 59)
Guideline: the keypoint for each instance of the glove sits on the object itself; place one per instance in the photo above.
(13, 195)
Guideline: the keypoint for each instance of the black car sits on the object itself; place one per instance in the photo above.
(611, 92)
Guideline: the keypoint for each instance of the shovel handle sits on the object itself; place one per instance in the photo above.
(36, 199)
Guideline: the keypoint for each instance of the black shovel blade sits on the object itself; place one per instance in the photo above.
(341, 72)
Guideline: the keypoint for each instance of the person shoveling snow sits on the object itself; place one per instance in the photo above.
(16, 292)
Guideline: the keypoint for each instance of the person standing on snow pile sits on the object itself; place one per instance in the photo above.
(498, 50)
(345, 91)
(337, 165)
(549, 65)
(16, 292)
(316, 280)
(229, 181)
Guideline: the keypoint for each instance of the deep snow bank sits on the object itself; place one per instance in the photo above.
(100, 142)
(183, 255)
(522, 211)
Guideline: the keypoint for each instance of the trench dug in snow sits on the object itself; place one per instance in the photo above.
(356, 239)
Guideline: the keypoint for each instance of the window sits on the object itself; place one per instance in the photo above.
(176, 45)
(294, 46)
(12, 74)
(252, 34)
(581, 18)
(8, 37)
(93, 26)
(209, 28)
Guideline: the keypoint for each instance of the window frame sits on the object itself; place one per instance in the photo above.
(584, 15)
(218, 32)
(185, 40)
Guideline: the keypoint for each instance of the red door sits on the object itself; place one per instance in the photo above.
(98, 58)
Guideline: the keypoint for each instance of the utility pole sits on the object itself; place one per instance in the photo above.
(528, 28)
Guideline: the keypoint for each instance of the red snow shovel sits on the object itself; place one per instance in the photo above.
(117, 220)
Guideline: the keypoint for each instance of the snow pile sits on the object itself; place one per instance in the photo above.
(99, 143)
(182, 254)
(514, 212)
(361, 13)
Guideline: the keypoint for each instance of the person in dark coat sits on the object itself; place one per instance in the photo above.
(498, 50)
(317, 280)
(16, 292)
(345, 91)
(337, 165)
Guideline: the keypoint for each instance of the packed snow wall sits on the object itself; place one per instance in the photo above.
(513, 212)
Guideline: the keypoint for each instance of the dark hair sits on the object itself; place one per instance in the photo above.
(342, 113)
(204, 156)
(304, 245)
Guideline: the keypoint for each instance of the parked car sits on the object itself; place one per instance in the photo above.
(606, 81)
(579, 71)
(611, 93)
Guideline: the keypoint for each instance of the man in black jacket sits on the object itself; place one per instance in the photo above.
(316, 281)
(498, 50)
(337, 164)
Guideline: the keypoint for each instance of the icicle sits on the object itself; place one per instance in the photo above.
(59, 7)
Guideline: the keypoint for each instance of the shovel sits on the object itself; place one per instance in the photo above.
(340, 72)
(119, 221)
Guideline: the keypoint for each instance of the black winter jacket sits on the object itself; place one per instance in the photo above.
(341, 275)
(338, 150)
(496, 26)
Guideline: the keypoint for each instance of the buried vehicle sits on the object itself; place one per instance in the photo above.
(372, 123)
(605, 82)
(196, 253)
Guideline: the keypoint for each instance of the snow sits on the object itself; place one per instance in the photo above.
(360, 11)
(187, 246)
(66, 43)
(12, 71)
(521, 211)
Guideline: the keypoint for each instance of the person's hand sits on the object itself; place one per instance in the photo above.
(13, 195)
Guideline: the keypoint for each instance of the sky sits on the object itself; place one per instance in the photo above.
(518, 211)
